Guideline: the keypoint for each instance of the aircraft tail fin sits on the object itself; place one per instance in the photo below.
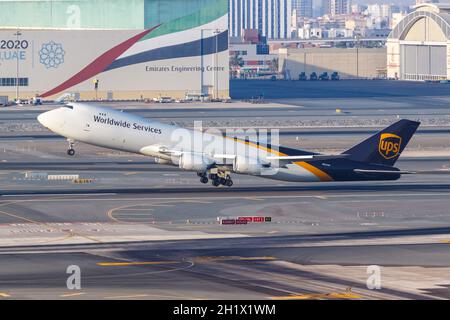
(386, 146)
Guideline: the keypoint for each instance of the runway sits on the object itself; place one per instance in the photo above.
(278, 268)
(161, 242)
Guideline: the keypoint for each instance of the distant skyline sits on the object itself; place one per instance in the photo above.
(397, 2)
(317, 3)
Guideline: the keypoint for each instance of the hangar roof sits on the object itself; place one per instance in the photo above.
(439, 12)
(438, 7)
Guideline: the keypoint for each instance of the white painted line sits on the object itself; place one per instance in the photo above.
(181, 199)
(58, 194)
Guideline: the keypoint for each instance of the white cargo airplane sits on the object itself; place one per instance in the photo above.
(215, 157)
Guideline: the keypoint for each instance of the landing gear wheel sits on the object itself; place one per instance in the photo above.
(71, 150)
(229, 183)
(216, 182)
(204, 179)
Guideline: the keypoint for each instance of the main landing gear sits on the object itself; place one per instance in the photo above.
(217, 178)
(71, 150)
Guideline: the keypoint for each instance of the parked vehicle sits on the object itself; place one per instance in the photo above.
(37, 101)
(324, 76)
(335, 76)
(302, 76)
(3, 101)
(313, 76)
(165, 100)
(273, 78)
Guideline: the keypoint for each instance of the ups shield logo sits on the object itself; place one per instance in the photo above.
(389, 146)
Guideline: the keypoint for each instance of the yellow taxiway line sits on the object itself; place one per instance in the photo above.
(143, 263)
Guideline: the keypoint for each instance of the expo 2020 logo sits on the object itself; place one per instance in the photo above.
(51, 55)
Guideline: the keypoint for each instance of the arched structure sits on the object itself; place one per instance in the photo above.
(418, 46)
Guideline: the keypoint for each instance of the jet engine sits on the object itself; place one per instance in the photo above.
(247, 165)
(162, 161)
(194, 162)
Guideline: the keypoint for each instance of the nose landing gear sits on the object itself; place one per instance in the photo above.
(71, 150)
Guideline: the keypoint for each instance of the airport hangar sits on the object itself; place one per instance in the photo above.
(418, 48)
(133, 49)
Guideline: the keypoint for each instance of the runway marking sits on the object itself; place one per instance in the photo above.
(116, 215)
(67, 295)
(161, 205)
(143, 263)
(48, 225)
(197, 201)
(4, 295)
(128, 297)
(170, 297)
(348, 294)
(321, 197)
(130, 209)
(180, 199)
(21, 218)
(57, 194)
(332, 295)
(232, 258)
(254, 199)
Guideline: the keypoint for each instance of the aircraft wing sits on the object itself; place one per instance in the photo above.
(308, 157)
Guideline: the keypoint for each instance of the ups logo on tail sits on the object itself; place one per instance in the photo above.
(389, 146)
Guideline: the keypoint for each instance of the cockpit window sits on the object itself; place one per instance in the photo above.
(69, 107)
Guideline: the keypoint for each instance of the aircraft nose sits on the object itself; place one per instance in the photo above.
(44, 119)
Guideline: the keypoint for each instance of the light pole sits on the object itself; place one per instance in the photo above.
(216, 80)
(17, 34)
(358, 37)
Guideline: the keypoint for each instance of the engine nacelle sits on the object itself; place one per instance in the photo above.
(194, 162)
(162, 161)
(246, 165)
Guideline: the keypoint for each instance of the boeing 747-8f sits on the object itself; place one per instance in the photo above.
(216, 156)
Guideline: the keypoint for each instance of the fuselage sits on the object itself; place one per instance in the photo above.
(114, 129)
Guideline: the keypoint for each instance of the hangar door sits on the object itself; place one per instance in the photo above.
(419, 62)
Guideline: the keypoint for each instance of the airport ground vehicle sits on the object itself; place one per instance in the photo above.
(37, 101)
(302, 76)
(335, 76)
(215, 157)
(313, 76)
(324, 76)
